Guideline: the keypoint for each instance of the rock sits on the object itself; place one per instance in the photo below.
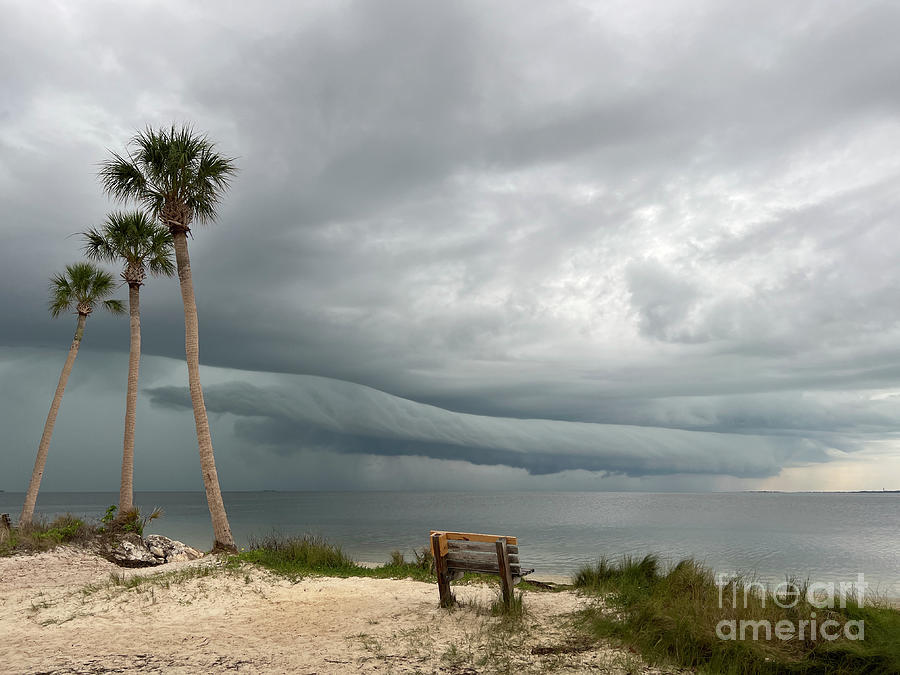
(170, 550)
(129, 550)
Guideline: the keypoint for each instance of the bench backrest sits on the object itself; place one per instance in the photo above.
(456, 553)
(471, 552)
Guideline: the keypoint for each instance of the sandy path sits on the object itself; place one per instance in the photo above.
(59, 612)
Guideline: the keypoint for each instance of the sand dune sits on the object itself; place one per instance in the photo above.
(61, 612)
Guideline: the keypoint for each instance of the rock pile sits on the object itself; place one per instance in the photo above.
(133, 550)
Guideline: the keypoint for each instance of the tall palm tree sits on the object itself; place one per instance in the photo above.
(177, 175)
(144, 247)
(81, 286)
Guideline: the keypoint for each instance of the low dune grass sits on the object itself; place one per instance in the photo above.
(299, 556)
(42, 535)
(671, 617)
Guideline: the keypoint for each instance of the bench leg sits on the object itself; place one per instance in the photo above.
(440, 570)
(506, 582)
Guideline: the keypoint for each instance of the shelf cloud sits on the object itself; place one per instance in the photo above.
(349, 418)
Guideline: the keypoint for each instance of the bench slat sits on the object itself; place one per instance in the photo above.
(473, 556)
(487, 547)
(485, 569)
(472, 536)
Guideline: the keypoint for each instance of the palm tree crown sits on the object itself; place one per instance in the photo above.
(82, 286)
(132, 237)
(173, 172)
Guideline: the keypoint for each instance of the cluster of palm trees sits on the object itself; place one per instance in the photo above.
(175, 178)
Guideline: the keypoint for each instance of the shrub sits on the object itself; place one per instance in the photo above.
(128, 521)
(42, 536)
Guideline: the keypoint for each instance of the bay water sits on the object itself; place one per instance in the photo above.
(823, 537)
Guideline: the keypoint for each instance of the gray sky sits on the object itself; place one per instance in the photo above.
(514, 245)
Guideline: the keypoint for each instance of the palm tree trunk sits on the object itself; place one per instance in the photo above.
(44, 447)
(221, 530)
(126, 488)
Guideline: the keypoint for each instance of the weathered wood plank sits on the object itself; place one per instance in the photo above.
(441, 571)
(477, 556)
(506, 582)
(444, 544)
(459, 545)
(484, 569)
(473, 536)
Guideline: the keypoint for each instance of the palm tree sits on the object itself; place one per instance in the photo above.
(144, 247)
(178, 176)
(81, 286)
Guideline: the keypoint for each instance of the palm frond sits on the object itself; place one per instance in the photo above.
(80, 283)
(97, 246)
(173, 165)
(158, 252)
(61, 296)
(122, 179)
(115, 307)
(101, 285)
(212, 178)
(133, 238)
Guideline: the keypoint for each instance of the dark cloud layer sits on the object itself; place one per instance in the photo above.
(677, 217)
(317, 412)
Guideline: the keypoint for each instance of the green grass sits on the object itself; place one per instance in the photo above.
(43, 536)
(163, 579)
(297, 557)
(128, 521)
(671, 616)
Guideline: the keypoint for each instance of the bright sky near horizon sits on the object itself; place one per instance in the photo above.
(509, 245)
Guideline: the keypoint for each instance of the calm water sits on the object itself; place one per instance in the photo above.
(826, 537)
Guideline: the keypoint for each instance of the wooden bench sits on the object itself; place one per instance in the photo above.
(456, 553)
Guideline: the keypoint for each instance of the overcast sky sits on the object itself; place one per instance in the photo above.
(488, 245)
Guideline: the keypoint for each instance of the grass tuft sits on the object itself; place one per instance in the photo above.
(43, 536)
(297, 557)
(607, 574)
(128, 521)
(514, 611)
(672, 616)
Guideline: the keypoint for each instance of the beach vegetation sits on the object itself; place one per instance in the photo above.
(514, 610)
(115, 521)
(177, 175)
(308, 555)
(41, 535)
(143, 247)
(161, 579)
(679, 615)
(423, 560)
(297, 556)
(80, 287)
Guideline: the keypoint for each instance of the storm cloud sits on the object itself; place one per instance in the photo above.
(626, 238)
(350, 418)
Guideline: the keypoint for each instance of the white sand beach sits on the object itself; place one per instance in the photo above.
(62, 612)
